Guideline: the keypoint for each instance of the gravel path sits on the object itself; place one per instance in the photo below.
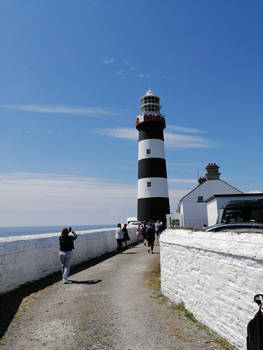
(109, 306)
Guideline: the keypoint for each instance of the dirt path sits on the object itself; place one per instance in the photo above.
(109, 306)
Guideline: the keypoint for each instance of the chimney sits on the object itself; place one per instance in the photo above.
(201, 180)
(212, 171)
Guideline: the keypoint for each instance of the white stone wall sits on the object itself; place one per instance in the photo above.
(216, 275)
(28, 258)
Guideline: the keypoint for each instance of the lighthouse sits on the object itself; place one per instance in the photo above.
(153, 198)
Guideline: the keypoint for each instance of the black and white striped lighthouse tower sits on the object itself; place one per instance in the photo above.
(153, 198)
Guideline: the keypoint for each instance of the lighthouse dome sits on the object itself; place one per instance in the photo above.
(149, 93)
(150, 103)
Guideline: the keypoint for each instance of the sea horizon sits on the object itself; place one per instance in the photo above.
(12, 231)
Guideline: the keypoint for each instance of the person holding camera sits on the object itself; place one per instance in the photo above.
(119, 237)
(66, 246)
(255, 327)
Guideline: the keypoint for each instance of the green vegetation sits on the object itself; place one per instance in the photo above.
(224, 343)
(153, 280)
(181, 307)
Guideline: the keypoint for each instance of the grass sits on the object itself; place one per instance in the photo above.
(224, 343)
(153, 280)
(181, 307)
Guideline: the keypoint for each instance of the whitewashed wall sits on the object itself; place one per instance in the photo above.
(212, 212)
(216, 275)
(28, 258)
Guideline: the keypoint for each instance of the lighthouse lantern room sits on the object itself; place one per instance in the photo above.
(153, 198)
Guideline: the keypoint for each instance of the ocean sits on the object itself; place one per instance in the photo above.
(36, 230)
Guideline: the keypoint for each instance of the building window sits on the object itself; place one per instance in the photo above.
(200, 199)
(148, 151)
(149, 184)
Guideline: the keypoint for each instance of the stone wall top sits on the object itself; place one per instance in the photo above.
(247, 245)
(27, 242)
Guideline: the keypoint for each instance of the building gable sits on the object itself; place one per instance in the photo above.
(208, 189)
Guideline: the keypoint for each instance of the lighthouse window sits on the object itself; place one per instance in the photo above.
(148, 151)
(149, 184)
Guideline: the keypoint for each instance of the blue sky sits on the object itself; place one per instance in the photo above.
(72, 73)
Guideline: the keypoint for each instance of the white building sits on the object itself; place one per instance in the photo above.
(192, 208)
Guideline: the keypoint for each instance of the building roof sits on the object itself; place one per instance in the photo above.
(235, 195)
(199, 185)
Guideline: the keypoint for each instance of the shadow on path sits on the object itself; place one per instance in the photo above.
(85, 282)
(10, 302)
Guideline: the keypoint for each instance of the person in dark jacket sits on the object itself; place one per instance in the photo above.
(126, 236)
(143, 232)
(150, 236)
(66, 246)
(255, 330)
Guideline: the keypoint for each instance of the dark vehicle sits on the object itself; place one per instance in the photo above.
(242, 227)
(240, 215)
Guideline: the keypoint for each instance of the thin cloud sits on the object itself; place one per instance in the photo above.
(125, 73)
(92, 111)
(187, 141)
(175, 195)
(191, 167)
(171, 140)
(120, 133)
(55, 199)
(122, 73)
(126, 70)
(185, 129)
(142, 75)
(186, 81)
(108, 60)
(47, 199)
(186, 164)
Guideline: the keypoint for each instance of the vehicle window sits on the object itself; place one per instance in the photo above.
(239, 215)
(257, 214)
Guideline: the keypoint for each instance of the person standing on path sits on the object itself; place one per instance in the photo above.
(150, 235)
(119, 237)
(157, 230)
(143, 233)
(125, 235)
(66, 246)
